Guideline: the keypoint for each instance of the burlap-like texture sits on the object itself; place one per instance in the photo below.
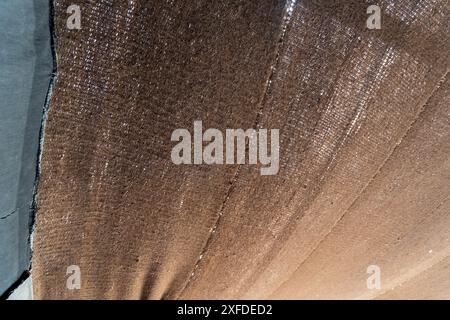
(364, 151)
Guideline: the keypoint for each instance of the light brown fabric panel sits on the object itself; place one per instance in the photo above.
(399, 94)
(110, 199)
(343, 97)
(400, 222)
(430, 285)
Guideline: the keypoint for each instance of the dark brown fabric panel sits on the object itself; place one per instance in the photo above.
(364, 148)
(110, 199)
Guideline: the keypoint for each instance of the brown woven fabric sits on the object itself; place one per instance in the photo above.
(364, 173)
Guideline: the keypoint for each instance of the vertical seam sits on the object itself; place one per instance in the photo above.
(285, 22)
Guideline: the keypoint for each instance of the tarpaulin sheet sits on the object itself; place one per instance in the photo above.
(26, 65)
(364, 169)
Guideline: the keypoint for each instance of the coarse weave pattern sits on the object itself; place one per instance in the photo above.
(364, 176)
